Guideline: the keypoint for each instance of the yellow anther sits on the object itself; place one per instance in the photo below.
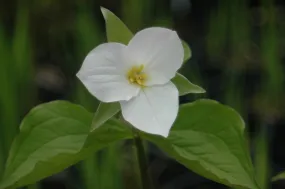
(139, 82)
(136, 75)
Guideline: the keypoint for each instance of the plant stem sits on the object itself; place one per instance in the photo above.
(142, 161)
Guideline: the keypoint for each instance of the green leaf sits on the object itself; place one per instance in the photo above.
(52, 137)
(279, 176)
(104, 112)
(187, 51)
(116, 30)
(184, 86)
(208, 138)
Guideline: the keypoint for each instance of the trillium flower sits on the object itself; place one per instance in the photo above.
(139, 77)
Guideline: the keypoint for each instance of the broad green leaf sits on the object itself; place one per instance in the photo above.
(52, 137)
(184, 86)
(104, 112)
(187, 51)
(279, 176)
(208, 138)
(117, 31)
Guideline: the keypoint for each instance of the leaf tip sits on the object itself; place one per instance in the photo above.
(104, 12)
(202, 90)
(278, 177)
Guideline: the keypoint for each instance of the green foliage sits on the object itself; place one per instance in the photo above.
(48, 135)
(261, 157)
(20, 44)
(15, 79)
(184, 86)
(110, 172)
(208, 138)
(22, 66)
(116, 30)
(4, 97)
(102, 170)
(218, 24)
(52, 137)
(104, 112)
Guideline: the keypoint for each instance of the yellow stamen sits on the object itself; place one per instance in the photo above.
(136, 75)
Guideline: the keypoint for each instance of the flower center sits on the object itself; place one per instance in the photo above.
(136, 75)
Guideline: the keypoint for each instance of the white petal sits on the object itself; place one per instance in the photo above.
(154, 110)
(160, 50)
(103, 73)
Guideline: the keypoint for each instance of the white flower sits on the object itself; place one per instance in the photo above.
(138, 76)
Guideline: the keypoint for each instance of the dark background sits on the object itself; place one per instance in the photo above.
(238, 49)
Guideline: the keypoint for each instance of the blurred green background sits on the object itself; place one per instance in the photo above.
(238, 49)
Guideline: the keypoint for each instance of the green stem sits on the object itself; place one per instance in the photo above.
(142, 161)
